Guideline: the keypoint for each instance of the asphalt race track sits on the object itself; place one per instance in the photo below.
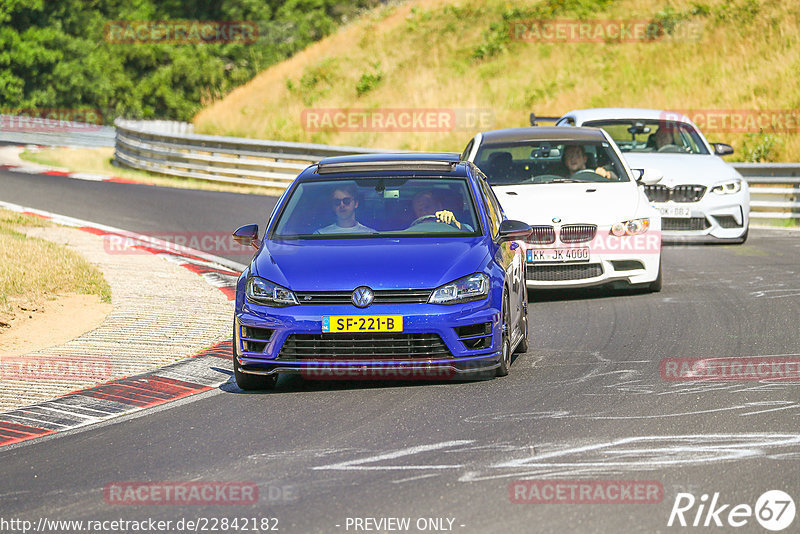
(586, 402)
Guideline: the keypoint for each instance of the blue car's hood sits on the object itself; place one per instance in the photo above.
(344, 264)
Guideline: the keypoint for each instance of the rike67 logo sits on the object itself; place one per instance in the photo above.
(774, 510)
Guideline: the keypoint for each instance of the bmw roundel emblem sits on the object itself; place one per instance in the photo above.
(556, 220)
(362, 296)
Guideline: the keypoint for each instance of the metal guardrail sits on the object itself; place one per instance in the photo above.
(172, 148)
(24, 131)
(774, 189)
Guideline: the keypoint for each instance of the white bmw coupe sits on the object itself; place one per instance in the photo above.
(592, 223)
(701, 198)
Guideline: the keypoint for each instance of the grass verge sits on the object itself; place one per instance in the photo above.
(461, 57)
(780, 223)
(99, 161)
(33, 270)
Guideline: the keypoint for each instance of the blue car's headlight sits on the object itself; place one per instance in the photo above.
(264, 292)
(469, 288)
(727, 188)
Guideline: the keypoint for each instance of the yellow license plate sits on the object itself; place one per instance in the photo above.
(362, 323)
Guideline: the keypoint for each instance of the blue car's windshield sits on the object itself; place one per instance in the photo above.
(377, 207)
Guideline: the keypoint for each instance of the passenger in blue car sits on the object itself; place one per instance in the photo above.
(428, 207)
(345, 203)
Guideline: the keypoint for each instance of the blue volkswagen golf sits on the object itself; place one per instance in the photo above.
(395, 266)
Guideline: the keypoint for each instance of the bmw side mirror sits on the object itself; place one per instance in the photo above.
(647, 176)
(722, 149)
(247, 235)
(511, 230)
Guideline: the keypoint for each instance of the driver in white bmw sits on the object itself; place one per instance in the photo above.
(575, 158)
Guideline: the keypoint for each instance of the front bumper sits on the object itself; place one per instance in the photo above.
(423, 319)
(713, 218)
(629, 260)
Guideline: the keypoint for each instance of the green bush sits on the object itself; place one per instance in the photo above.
(760, 147)
(369, 80)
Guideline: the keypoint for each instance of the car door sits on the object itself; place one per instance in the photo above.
(508, 256)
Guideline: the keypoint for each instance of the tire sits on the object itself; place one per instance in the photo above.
(505, 342)
(522, 346)
(655, 285)
(249, 382)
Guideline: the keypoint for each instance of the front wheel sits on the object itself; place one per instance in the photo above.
(505, 342)
(522, 346)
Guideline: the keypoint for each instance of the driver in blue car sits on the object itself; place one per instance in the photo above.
(574, 159)
(428, 207)
(345, 203)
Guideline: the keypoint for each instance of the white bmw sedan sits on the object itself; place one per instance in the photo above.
(701, 198)
(592, 223)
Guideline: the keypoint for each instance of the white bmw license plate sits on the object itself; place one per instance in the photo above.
(675, 211)
(557, 255)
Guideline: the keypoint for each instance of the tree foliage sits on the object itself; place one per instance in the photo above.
(54, 54)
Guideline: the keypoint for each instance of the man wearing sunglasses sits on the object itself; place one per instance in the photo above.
(344, 203)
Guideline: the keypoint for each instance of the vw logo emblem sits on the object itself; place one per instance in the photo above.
(556, 220)
(362, 296)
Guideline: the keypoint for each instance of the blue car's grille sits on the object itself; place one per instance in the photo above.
(387, 346)
(475, 336)
(382, 296)
(255, 339)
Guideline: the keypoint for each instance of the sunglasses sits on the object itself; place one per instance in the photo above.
(346, 201)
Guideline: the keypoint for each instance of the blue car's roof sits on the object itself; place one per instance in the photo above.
(420, 163)
(407, 156)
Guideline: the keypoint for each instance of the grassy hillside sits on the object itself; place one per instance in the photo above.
(459, 55)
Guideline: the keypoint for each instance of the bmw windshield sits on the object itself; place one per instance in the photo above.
(377, 207)
(668, 137)
(547, 162)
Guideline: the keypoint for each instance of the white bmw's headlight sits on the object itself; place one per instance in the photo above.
(262, 291)
(466, 289)
(632, 227)
(727, 188)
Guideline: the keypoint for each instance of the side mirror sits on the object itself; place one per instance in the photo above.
(511, 230)
(647, 176)
(722, 149)
(247, 235)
